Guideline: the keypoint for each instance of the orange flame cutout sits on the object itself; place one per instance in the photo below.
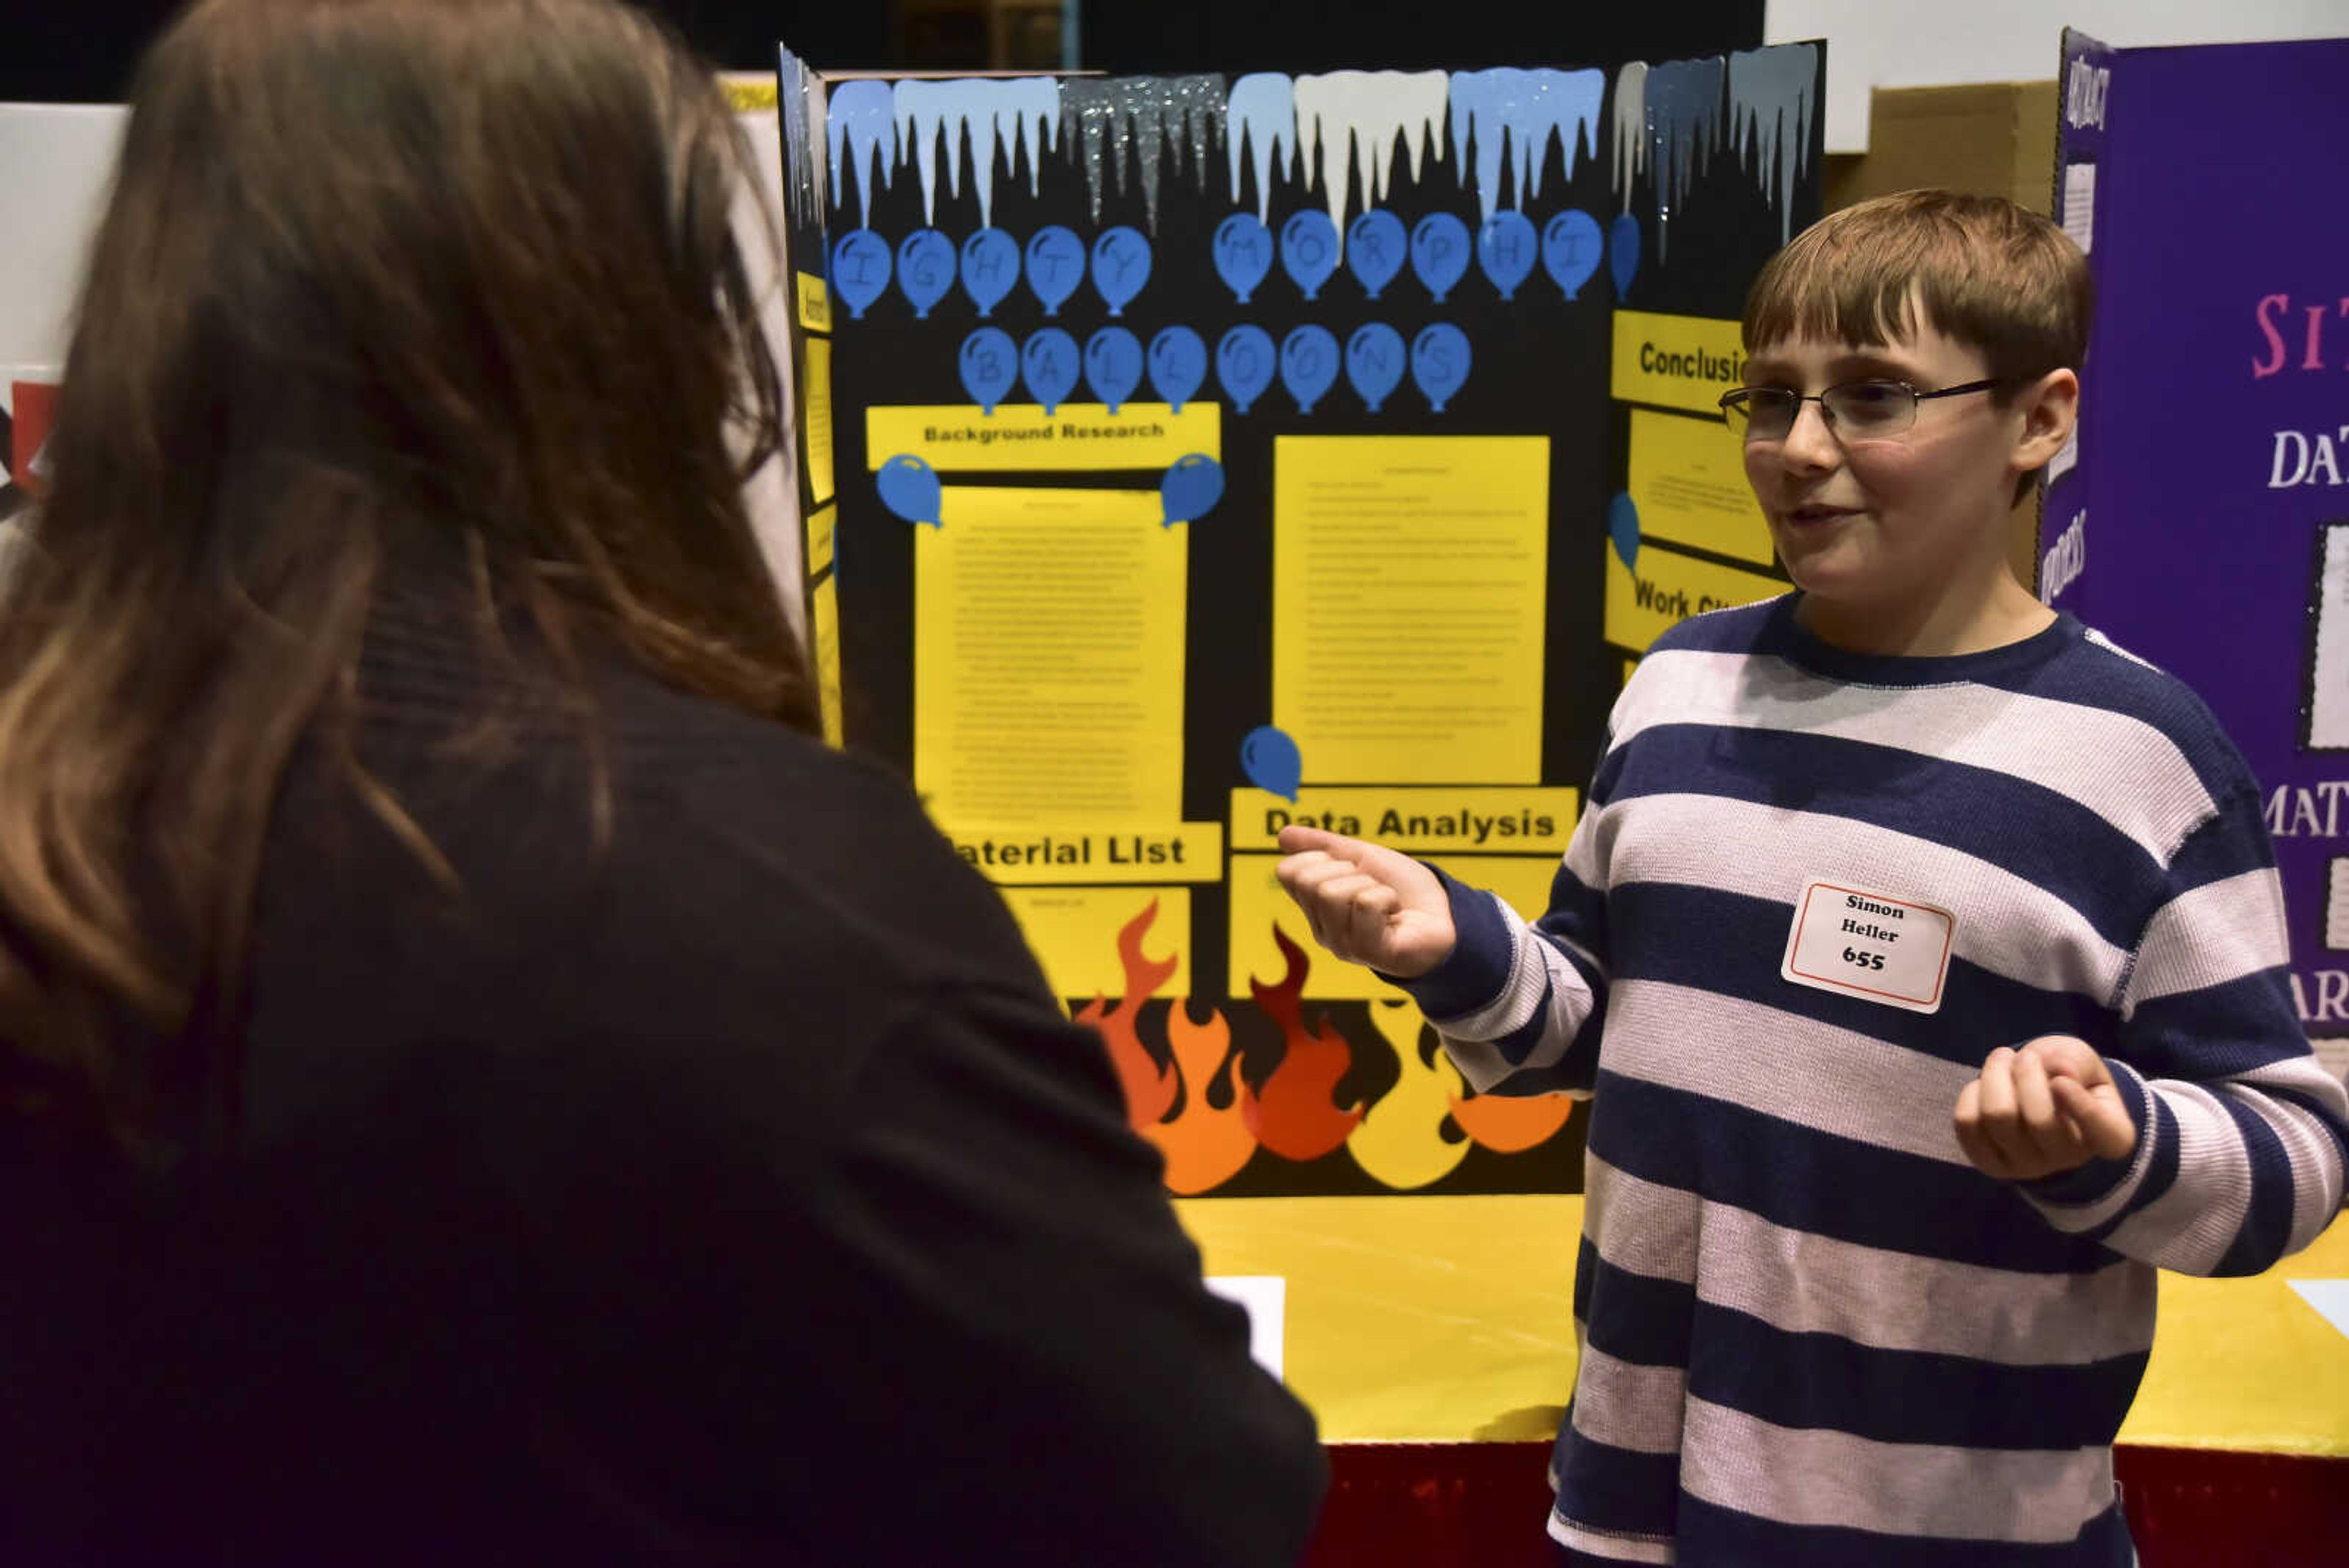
(1293, 1114)
(1149, 1087)
(1400, 1142)
(1507, 1123)
(1204, 1146)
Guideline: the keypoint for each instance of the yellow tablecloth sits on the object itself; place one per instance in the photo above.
(1416, 1319)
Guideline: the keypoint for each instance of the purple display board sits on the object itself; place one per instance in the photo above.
(2203, 522)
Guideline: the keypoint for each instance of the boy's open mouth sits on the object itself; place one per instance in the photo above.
(1807, 516)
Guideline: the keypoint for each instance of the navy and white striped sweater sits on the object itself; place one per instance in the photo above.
(1811, 1332)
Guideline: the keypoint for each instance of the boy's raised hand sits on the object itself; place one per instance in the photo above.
(2041, 1110)
(1368, 905)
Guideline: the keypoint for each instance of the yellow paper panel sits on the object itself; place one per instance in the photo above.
(748, 91)
(1049, 659)
(823, 618)
(1676, 362)
(2248, 1363)
(953, 437)
(815, 303)
(819, 539)
(1688, 480)
(1668, 588)
(1408, 582)
(1420, 1319)
(1533, 819)
(1414, 1319)
(1073, 932)
(1258, 903)
(816, 417)
(1166, 852)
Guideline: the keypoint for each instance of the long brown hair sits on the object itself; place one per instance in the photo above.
(380, 281)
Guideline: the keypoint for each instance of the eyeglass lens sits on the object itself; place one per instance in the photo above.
(1855, 409)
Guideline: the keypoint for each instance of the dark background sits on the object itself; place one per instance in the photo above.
(1239, 36)
(83, 50)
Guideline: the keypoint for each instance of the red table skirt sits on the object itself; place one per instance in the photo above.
(1481, 1505)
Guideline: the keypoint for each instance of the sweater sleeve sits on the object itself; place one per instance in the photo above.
(2242, 1134)
(1520, 1007)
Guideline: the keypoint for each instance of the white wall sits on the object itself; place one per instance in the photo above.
(1937, 43)
(55, 161)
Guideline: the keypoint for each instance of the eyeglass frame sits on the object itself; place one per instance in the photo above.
(1732, 404)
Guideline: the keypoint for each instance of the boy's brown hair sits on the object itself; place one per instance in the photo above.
(1984, 271)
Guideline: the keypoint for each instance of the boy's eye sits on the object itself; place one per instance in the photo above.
(1771, 403)
(1868, 402)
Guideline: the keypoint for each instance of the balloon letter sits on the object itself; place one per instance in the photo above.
(1269, 759)
(860, 269)
(1120, 266)
(1243, 253)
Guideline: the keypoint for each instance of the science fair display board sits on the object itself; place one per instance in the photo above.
(1187, 456)
(2203, 522)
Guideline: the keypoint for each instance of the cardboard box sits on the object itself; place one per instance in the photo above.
(1997, 138)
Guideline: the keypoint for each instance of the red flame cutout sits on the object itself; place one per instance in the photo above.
(1295, 1114)
(1149, 1087)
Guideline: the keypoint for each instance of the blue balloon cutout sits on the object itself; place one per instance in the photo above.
(860, 269)
(1243, 253)
(1055, 264)
(1120, 266)
(1178, 364)
(1308, 365)
(1048, 363)
(1112, 365)
(1439, 362)
(1374, 362)
(1309, 249)
(1245, 362)
(1439, 253)
(990, 266)
(1623, 527)
(1623, 252)
(1269, 757)
(926, 269)
(1191, 488)
(1570, 249)
(1506, 248)
(909, 487)
(989, 363)
(1375, 249)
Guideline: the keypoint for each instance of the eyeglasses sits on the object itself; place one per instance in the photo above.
(1856, 410)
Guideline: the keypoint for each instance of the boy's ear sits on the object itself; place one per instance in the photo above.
(2050, 408)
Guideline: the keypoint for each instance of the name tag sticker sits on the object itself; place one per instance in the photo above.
(1870, 945)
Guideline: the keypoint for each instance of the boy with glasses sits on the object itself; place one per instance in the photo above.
(1924, 953)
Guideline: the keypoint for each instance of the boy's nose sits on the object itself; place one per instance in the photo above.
(1809, 444)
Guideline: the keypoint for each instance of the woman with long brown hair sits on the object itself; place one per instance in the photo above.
(478, 1081)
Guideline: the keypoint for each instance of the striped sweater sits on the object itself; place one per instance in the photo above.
(1810, 1331)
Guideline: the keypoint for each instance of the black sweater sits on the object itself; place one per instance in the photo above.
(733, 1192)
